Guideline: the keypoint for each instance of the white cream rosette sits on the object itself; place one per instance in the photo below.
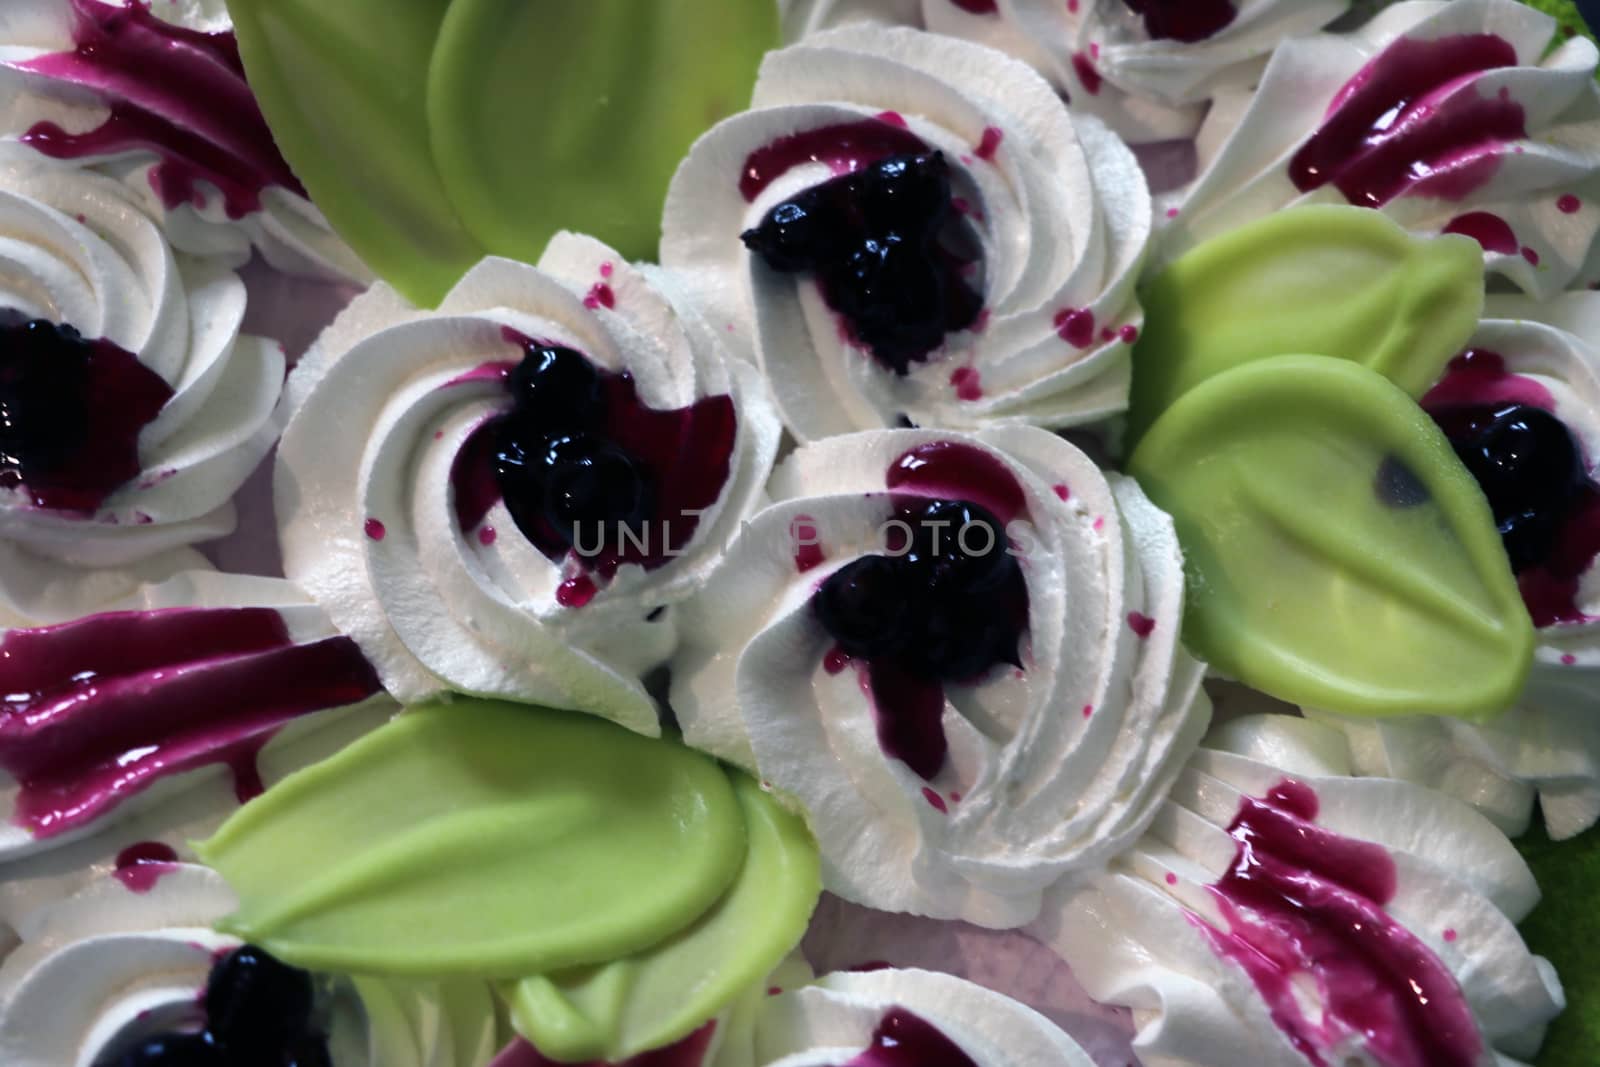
(387, 400)
(1498, 138)
(1153, 933)
(77, 250)
(106, 968)
(288, 231)
(1057, 205)
(1100, 54)
(842, 1016)
(1051, 768)
(1548, 746)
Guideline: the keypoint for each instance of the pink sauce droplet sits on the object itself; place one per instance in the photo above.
(1488, 229)
(140, 866)
(1569, 204)
(1129, 334)
(893, 118)
(487, 536)
(935, 800)
(968, 383)
(1172, 879)
(1531, 255)
(607, 269)
(1063, 492)
(977, 7)
(1088, 711)
(989, 144)
(177, 93)
(1450, 935)
(1301, 900)
(375, 529)
(1090, 77)
(576, 592)
(1075, 326)
(1172, 212)
(1099, 523)
(808, 552)
(1142, 625)
(1411, 123)
(955, 798)
(836, 660)
(600, 296)
(1569, 659)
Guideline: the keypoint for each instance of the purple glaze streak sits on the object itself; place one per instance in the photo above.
(1412, 123)
(1188, 21)
(175, 92)
(845, 148)
(98, 710)
(1302, 900)
(1476, 384)
(906, 1040)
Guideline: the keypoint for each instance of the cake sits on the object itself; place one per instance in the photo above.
(1103, 492)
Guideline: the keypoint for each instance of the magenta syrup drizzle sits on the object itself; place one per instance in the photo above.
(1412, 122)
(120, 397)
(1488, 229)
(977, 7)
(141, 865)
(1188, 21)
(687, 452)
(690, 1052)
(98, 710)
(903, 1039)
(845, 147)
(177, 93)
(1302, 900)
(1478, 380)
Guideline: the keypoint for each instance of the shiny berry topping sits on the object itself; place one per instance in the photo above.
(254, 1001)
(958, 641)
(174, 1050)
(556, 388)
(865, 606)
(1529, 466)
(592, 488)
(44, 373)
(1184, 20)
(874, 239)
(958, 547)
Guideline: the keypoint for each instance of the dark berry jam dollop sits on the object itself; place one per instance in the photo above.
(1184, 20)
(946, 603)
(586, 469)
(71, 410)
(906, 1040)
(878, 242)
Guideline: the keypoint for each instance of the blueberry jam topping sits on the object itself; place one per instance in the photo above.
(71, 410)
(1184, 20)
(1529, 466)
(260, 1012)
(878, 241)
(586, 469)
(906, 1040)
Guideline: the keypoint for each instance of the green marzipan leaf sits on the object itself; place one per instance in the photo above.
(482, 839)
(1325, 280)
(626, 1007)
(434, 132)
(1303, 581)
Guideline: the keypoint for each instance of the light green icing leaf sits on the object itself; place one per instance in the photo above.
(483, 839)
(1326, 280)
(651, 999)
(446, 1024)
(1339, 555)
(434, 132)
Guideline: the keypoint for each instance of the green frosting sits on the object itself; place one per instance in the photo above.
(433, 132)
(1339, 555)
(1325, 280)
(620, 1009)
(621, 890)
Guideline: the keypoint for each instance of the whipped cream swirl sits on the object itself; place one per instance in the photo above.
(153, 718)
(1149, 78)
(390, 514)
(1051, 767)
(1282, 914)
(918, 1013)
(1056, 205)
(157, 99)
(1541, 354)
(80, 252)
(100, 971)
(1448, 116)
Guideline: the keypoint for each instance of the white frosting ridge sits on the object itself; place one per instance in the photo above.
(1045, 791)
(380, 419)
(1543, 188)
(1140, 934)
(1059, 208)
(288, 231)
(1146, 88)
(832, 1020)
(78, 250)
(99, 971)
